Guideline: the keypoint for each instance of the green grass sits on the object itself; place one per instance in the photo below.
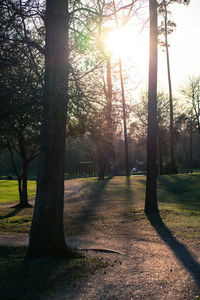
(9, 191)
(39, 279)
(178, 197)
(179, 203)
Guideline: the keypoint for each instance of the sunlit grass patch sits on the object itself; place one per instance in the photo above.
(9, 191)
(40, 279)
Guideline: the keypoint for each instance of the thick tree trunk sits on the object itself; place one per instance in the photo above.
(151, 205)
(47, 232)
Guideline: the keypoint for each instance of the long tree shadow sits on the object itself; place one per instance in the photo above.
(88, 213)
(128, 192)
(13, 213)
(179, 250)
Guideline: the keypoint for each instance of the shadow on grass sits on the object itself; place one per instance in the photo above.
(93, 201)
(181, 189)
(22, 280)
(13, 213)
(128, 193)
(179, 250)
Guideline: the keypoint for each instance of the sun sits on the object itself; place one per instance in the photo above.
(119, 41)
(131, 45)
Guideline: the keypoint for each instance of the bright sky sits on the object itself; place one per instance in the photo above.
(185, 43)
(184, 49)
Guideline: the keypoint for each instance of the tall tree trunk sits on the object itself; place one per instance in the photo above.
(123, 104)
(47, 232)
(191, 147)
(111, 159)
(173, 164)
(151, 205)
(101, 160)
(124, 118)
(109, 144)
(160, 152)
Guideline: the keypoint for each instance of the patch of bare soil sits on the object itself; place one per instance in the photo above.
(146, 261)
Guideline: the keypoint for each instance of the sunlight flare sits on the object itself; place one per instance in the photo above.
(119, 41)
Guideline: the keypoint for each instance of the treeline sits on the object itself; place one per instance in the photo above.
(95, 112)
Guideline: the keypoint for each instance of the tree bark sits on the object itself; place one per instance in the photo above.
(109, 144)
(101, 161)
(160, 152)
(173, 165)
(123, 104)
(24, 198)
(191, 146)
(151, 205)
(124, 118)
(111, 158)
(47, 232)
(23, 178)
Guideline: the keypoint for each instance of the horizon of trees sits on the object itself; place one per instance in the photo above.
(82, 99)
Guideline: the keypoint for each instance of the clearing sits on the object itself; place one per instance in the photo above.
(136, 257)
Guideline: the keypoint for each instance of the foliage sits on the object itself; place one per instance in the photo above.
(191, 92)
(166, 25)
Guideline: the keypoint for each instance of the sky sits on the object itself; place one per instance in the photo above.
(185, 45)
(184, 49)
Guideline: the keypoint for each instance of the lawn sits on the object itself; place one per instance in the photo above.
(178, 197)
(98, 208)
(9, 191)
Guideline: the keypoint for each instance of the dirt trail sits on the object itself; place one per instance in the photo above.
(153, 264)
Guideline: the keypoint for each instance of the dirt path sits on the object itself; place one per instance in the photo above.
(149, 263)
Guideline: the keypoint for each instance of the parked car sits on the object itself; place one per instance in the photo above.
(134, 171)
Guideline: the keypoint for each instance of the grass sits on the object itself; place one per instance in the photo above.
(39, 279)
(123, 200)
(178, 196)
(9, 191)
(15, 220)
(179, 203)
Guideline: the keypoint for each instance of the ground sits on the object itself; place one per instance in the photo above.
(148, 258)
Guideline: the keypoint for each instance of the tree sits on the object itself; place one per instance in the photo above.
(167, 27)
(191, 91)
(123, 100)
(47, 233)
(20, 113)
(151, 205)
(141, 111)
